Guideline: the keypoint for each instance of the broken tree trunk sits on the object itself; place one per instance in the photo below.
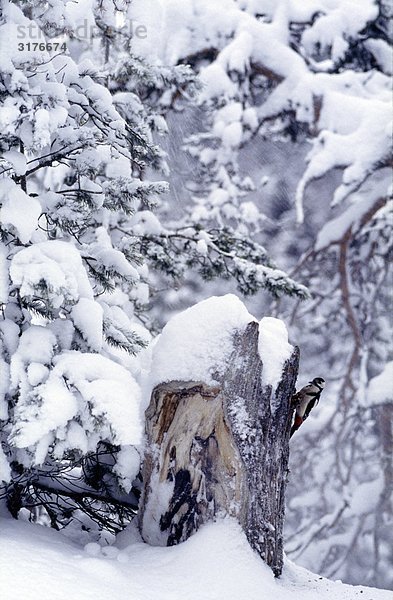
(217, 450)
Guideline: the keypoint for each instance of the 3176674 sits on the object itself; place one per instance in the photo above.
(42, 46)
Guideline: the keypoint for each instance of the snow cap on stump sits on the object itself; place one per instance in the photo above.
(196, 344)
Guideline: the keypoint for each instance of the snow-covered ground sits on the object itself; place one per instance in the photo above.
(37, 563)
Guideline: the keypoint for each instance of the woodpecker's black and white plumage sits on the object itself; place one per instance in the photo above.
(305, 399)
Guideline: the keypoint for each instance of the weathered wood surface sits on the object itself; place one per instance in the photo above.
(220, 450)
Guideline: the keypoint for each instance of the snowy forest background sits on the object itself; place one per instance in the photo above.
(224, 146)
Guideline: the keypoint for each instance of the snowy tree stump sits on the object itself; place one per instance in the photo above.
(218, 450)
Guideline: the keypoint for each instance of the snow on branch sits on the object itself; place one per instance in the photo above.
(278, 67)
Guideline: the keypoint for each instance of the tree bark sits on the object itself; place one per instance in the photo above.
(220, 450)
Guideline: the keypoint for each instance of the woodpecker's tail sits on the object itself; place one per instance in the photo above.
(296, 424)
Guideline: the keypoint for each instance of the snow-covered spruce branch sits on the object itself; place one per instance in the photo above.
(215, 253)
(84, 484)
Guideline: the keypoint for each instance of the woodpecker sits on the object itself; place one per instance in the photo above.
(305, 399)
